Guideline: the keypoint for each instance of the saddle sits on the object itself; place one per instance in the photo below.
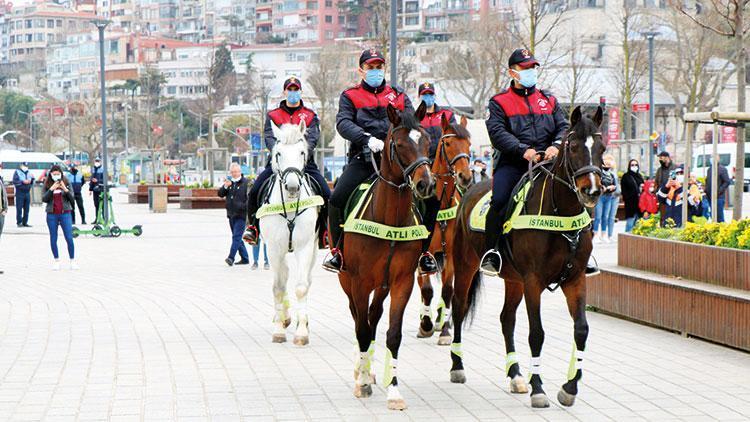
(518, 217)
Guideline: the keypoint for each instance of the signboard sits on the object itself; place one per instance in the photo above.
(640, 107)
(728, 134)
(58, 111)
(255, 141)
(613, 130)
(242, 130)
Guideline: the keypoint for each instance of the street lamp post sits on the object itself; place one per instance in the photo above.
(31, 129)
(100, 25)
(650, 37)
(392, 45)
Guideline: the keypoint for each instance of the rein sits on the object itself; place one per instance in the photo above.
(406, 172)
(281, 177)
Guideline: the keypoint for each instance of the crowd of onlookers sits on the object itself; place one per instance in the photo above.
(664, 194)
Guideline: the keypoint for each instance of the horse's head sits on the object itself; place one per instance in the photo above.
(453, 151)
(406, 148)
(585, 147)
(289, 155)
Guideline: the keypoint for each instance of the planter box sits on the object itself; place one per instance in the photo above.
(138, 194)
(11, 191)
(709, 264)
(200, 198)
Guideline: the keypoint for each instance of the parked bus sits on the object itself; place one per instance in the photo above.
(39, 163)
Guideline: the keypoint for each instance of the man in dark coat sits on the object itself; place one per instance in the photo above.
(234, 191)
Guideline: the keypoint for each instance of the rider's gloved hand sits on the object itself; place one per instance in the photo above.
(375, 144)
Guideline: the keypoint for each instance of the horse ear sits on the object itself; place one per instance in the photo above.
(575, 117)
(444, 123)
(598, 116)
(393, 115)
(276, 131)
(421, 111)
(302, 126)
(464, 121)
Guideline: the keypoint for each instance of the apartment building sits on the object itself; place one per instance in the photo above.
(301, 22)
(187, 72)
(433, 19)
(122, 13)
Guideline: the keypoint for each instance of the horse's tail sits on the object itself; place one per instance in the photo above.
(473, 296)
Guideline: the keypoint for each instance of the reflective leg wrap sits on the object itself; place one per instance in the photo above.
(390, 368)
(362, 366)
(441, 314)
(576, 363)
(535, 366)
(510, 359)
(426, 311)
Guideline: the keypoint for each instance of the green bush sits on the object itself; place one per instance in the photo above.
(733, 234)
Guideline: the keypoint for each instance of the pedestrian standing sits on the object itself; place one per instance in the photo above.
(721, 193)
(631, 186)
(3, 205)
(23, 182)
(606, 207)
(479, 171)
(662, 177)
(95, 186)
(256, 255)
(60, 200)
(671, 196)
(234, 191)
(76, 179)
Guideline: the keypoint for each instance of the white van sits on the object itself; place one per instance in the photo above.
(727, 154)
(39, 162)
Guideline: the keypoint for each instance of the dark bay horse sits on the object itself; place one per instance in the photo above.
(379, 266)
(539, 259)
(452, 176)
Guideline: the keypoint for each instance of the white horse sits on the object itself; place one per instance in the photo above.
(289, 232)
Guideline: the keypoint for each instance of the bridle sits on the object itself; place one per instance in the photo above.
(281, 176)
(406, 171)
(451, 161)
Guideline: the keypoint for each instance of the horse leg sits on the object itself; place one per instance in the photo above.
(513, 296)
(533, 295)
(575, 295)
(426, 327)
(400, 292)
(374, 315)
(444, 306)
(363, 364)
(465, 277)
(282, 319)
(305, 258)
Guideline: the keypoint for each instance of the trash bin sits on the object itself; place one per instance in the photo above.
(157, 199)
(37, 190)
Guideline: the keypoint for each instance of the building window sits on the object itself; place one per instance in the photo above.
(412, 20)
(329, 19)
(342, 19)
(329, 3)
(329, 35)
(50, 23)
(172, 90)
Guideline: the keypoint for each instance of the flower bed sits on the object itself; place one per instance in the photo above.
(733, 234)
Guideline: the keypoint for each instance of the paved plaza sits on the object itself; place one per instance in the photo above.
(159, 328)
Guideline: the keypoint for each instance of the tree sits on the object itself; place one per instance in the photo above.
(727, 18)
(474, 64)
(221, 83)
(16, 110)
(327, 78)
(577, 81)
(227, 137)
(539, 24)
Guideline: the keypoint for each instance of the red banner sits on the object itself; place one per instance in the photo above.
(640, 107)
(242, 130)
(728, 134)
(613, 130)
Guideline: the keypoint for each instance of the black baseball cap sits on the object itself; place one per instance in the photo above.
(426, 88)
(371, 55)
(663, 154)
(292, 82)
(523, 58)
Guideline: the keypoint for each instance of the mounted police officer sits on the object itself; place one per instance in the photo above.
(76, 179)
(363, 121)
(432, 120)
(290, 111)
(525, 123)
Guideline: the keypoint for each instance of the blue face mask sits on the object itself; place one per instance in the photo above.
(293, 97)
(527, 77)
(428, 100)
(374, 77)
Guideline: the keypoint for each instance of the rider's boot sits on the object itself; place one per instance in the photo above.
(592, 268)
(336, 262)
(427, 263)
(322, 226)
(492, 262)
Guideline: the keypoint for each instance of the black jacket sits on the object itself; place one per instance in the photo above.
(236, 198)
(363, 113)
(521, 119)
(631, 192)
(723, 180)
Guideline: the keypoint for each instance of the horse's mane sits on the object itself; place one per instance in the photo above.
(409, 121)
(289, 134)
(461, 131)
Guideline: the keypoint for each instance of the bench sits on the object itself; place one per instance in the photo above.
(138, 194)
(195, 199)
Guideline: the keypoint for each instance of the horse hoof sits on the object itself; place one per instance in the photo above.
(424, 334)
(566, 399)
(362, 391)
(539, 400)
(301, 340)
(458, 376)
(445, 340)
(396, 404)
(279, 338)
(518, 385)
(287, 323)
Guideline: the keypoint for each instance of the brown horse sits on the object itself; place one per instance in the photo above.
(380, 266)
(452, 176)
(538, 259)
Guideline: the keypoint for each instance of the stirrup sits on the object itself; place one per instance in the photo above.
(328, 266)
(484, 265)
(429, 256)
(592, 269)
(251, 235)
